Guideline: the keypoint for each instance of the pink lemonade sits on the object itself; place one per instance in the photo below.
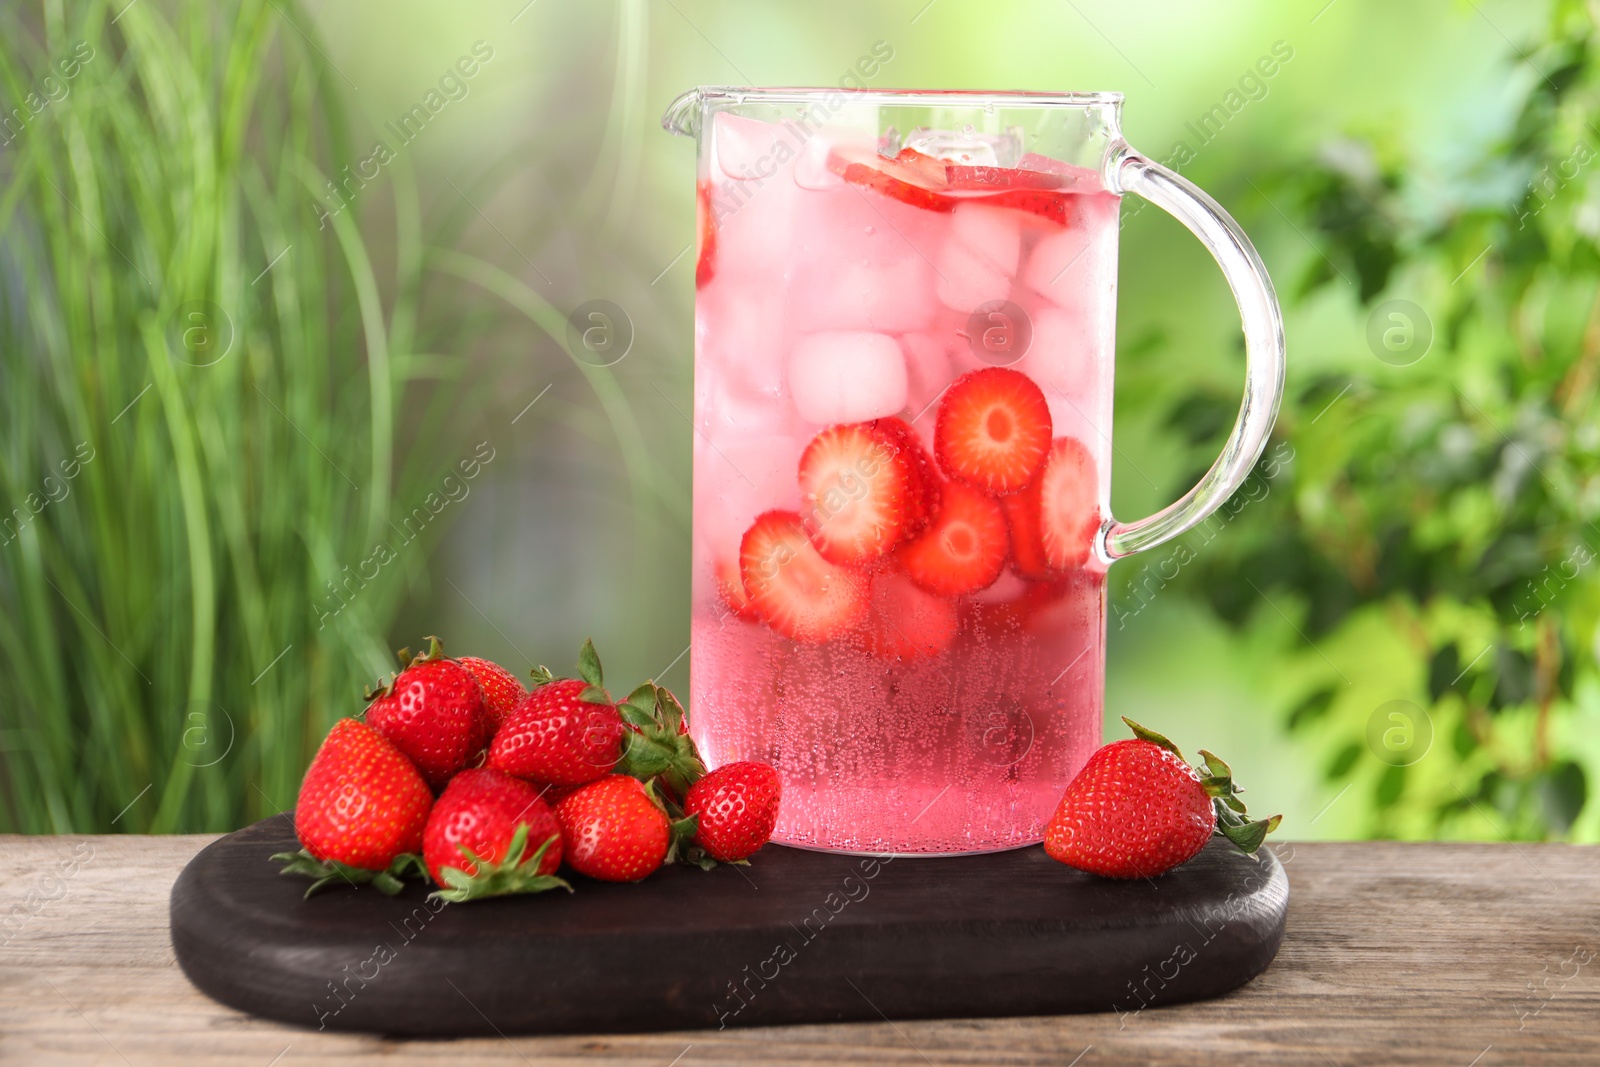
(903, 412)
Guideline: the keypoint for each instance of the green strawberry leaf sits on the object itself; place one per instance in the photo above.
(1215, 766)
(683, 831)
(674, 711)
(514, 875)
(331, 872)
(1248, 836)
(593, 694)
(634, 715)
(589, 664)
(541, 675)
(1145, 734)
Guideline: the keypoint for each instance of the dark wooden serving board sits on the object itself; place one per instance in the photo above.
(796, 937)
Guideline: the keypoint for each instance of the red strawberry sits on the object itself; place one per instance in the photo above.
(491, 835)
(904, 622)
(705, 219)
(965, 548)
(567, 731)
(925, 497)
(1027, 540)
(736, 808)
(1055, 518)
(433, 711)
(1069, 504)
(556, 737)
(501, 690)
(730, 586)
(861, 492)
(792, 588)
(614, 830)
(1137, 810)
(361, 811)
(993, 430)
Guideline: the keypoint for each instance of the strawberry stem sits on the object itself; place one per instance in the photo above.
(1217, 780)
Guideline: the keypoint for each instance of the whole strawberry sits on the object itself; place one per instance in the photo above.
(614, 830)
(491, 835)
(736, 807)
(1137, 810)
(565, 732)
(433, 711)
(502, 692)
(361, 812)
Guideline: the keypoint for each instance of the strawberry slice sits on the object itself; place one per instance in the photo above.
(792, 588)
(968, 176)
(903, 622)
(1027, 541)
(965, 548)
(1069, 504)
(928, 481)
(907, 177)
(1048, 204)
(1053, 521)
(730, 586)
(861, 492)
(705, 266)
(993, 430)
(927, 182)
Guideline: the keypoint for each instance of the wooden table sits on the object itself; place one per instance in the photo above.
(1462, 955)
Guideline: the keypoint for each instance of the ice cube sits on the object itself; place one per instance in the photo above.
(754, 203)
(811, 170)
(1065, 355)
(1078, 264)
(979, 257)
(995, 233)
(739, 334)
(863, 262)
(1061, 266)
(967, 280)
(737, 476)
(748, 149)
(847, 376)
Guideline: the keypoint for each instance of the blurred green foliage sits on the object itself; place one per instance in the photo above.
(1433, 539)
(1419, 531)
(214, 410)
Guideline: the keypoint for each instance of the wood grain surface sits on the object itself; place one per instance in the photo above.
(1453, 954)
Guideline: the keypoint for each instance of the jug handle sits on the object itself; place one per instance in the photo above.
(1128, 171)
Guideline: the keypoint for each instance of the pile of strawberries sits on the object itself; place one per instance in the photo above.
(890, 539)
(460, 774)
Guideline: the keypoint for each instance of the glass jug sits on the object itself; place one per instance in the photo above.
(905, 314)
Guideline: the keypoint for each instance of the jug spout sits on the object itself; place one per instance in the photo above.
(682, 116)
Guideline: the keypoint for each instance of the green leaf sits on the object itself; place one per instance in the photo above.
(1216, 767)
(515, 875)
(593, 694)
(1144, 734)
(1249, 836)
(324, 873)
(541, 675)
(589, 665)
(634, 715)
